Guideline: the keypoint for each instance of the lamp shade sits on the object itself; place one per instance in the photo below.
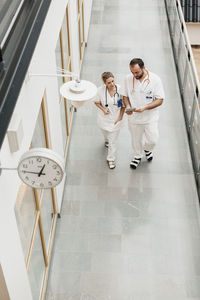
(78, 93)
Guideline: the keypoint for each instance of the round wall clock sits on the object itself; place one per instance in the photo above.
(41, 168)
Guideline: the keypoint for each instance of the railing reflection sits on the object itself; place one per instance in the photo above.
(188, 79)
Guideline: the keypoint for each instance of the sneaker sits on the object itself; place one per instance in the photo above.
(135, 162)
(149, 155)
(106, 144)
(111, 164)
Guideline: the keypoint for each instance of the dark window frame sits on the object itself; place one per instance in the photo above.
(15, 56)
(7, 12)
(191, 10)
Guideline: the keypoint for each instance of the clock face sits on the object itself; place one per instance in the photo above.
(40, 172)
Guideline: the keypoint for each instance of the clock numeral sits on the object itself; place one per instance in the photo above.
(27, 178)
(50, 183)
(30, 162)
(55, 179)
(58, 172)
(41, 184)
(48, 162)
(39, 159)
(33, 182)
(25, 166)
(54, 167)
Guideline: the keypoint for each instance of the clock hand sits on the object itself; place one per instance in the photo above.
(32, 172)
(40, 173)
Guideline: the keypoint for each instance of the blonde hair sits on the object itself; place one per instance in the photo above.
(106, 75)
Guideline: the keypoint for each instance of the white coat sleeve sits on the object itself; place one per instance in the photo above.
(159, 91)
(124, 88)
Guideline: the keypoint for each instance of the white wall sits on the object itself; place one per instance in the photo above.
(194, 33)
(11, 255)
(27, 108)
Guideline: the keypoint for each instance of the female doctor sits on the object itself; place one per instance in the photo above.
(110, 114)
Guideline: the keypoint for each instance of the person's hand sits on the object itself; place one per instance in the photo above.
(128, 112)
(118, 120)
(140, 109)
(106, 111)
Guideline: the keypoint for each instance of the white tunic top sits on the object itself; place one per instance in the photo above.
(106, 122)
(142, 94)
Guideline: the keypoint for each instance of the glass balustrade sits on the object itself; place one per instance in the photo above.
(188, 79)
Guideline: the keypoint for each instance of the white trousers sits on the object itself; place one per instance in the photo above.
(143, 137)
(111, 138)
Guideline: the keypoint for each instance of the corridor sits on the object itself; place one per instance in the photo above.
(128, 234)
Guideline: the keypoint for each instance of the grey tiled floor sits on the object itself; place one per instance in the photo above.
(124, 234)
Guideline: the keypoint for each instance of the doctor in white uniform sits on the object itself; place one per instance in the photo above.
(110, 114)
(142, 95)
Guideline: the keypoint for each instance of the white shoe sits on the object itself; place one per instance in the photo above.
(111, 164)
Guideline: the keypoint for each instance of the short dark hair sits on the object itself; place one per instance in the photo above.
(137, 61)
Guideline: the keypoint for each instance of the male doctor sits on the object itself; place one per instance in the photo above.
(142, 94)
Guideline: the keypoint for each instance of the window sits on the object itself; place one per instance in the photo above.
(81, 28)
(25, 211)
(8, 9)
(63, 61)
(20, 26)
(36, 216)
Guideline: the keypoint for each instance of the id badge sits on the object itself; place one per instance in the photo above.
(149, 95)
(119, 103)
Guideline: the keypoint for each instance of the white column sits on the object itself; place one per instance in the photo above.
(11, 253)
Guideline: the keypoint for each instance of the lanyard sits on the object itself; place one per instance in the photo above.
(147, 80)
(116, 94)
